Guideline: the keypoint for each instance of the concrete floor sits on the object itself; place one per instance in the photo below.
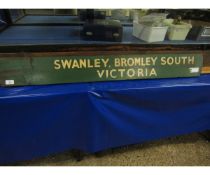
(192, 150)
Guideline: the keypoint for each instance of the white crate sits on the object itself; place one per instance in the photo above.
(149, 33)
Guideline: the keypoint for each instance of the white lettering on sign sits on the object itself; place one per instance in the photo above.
(80, 63)
(131, 73)
(183, 60)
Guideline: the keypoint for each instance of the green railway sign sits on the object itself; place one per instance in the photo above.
(37, 70)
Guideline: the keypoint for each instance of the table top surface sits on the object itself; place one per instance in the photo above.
(32, 34)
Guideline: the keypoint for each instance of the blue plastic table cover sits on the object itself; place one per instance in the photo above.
(37, 121)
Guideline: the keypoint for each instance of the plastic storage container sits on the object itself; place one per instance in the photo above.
(150, 28)
(148, 32)
(178, 31)
(120, 14)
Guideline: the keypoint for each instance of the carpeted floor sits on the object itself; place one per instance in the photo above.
(192, 150)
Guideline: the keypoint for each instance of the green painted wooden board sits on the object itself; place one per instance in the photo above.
(37, 70)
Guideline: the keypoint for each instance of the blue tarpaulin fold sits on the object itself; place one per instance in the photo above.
(39, 120)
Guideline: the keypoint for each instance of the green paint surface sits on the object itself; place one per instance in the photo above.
(39, 70)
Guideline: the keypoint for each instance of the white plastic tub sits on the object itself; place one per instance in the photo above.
(120, 14)
(137, 29)
(149, 33)
(178, 32)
